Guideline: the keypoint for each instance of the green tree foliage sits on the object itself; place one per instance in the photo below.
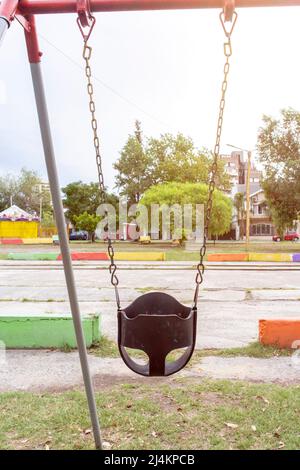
(47, 219)
(175, 158)
(133, 167)
(279, 151)
(80, 197)
(162, 160)
(87, 222)
(193, 193)
(25, 191)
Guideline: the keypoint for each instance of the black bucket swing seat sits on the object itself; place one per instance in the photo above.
(157, 324)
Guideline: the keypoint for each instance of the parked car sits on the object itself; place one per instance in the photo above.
(80, 235)
(290, 236)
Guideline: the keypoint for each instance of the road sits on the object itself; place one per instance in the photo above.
(233, 298)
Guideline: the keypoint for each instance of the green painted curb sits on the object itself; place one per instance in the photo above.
(46, 332)
(33, 256)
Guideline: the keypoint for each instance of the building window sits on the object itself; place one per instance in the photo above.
(262, 230)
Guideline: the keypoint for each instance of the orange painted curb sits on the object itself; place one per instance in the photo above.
(279, 333)
(87, 257)
(228, 257)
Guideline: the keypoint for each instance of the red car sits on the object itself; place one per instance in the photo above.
(289, 236)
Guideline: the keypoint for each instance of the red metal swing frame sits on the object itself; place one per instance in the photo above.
(24, 11)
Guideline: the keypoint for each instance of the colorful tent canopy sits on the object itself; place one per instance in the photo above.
(15, 213)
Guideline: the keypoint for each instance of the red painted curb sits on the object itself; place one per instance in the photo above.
(11, 241)
(87, 257)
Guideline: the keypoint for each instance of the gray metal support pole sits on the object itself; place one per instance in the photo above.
(3, 28)
(64, 243)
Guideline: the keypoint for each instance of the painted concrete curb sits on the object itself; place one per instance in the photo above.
(32, 256)
(273, 257)
(279, 333)
(266, 257)
(11, 241)
(26, 241)
(87, 256)
(45, 332)
(93, 256)
(227, 257)
(154, 256)
(140, 256)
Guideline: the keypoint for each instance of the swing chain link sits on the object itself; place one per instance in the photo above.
(87, 54)
(216, 153)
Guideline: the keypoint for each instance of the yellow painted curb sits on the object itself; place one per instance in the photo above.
(278, 257)
(37, 241)
(140, 256)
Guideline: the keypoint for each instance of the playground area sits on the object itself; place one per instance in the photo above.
(170, 346)
(247, 393)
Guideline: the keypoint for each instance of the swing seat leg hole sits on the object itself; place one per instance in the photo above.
(142, 359)
(138, 356)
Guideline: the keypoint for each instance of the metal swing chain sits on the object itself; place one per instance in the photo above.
(87, 53)
(214, 168)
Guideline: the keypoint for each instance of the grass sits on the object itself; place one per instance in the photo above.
(256, 350)
(105, 348)
(181, 255)
(108, 348)
(181, 415)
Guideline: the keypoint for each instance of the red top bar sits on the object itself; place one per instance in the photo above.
(69, 6)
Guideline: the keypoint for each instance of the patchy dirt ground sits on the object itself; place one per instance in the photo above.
(58, 371)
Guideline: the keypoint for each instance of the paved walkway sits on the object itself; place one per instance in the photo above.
(231, 302)
(56, 371)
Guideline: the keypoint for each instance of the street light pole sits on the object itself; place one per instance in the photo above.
(248, 201)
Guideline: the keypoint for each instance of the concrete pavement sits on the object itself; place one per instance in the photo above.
(40, 371)
(231, 302)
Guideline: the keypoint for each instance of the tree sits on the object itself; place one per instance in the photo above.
(175, 158)
(279, 151)
(192, 193)
(47, 220)
(283, 202)
(162, 160)
(133, 167)
(8, 191)
(239, 204)
(87, 222)
(25, 190)
(80, 198)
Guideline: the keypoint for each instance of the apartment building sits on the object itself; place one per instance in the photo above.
(236, 165)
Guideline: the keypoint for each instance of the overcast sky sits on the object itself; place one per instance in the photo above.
(163, 68)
